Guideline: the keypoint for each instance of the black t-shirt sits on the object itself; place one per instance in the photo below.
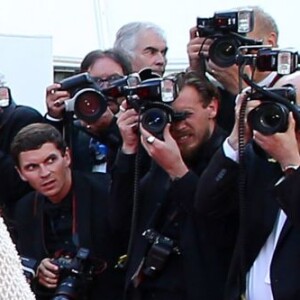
(59, 232)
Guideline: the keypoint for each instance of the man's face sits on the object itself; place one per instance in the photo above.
(107, 69)
(150, 53)
(197, 128)
(47, 171)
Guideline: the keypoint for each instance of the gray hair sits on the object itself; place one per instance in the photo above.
(127, 36)
(264, 21)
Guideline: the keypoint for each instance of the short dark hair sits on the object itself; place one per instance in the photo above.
(34, 136)
(203, 86)
(113, 54)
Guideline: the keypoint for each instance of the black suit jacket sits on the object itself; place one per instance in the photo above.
(189, 275)
(217, 193)
(94, 232)
(12, 120)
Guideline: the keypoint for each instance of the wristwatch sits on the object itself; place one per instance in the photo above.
(289, 169)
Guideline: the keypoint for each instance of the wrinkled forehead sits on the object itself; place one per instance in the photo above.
(150, 38)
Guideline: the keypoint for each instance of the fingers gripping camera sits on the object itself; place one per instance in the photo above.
(75, 274)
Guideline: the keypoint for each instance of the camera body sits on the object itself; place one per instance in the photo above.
(283, 61)
(152, 98)
(29, 266)
(74, 274)
(157, 256)
(272, 116)
(228, 29)
(87, 101)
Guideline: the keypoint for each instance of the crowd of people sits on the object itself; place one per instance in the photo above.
(160, 191)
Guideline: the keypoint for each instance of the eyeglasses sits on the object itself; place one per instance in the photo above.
(106, 82)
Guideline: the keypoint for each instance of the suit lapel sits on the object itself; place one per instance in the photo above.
(285, 230)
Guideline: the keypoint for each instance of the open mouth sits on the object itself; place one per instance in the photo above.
(48, 184)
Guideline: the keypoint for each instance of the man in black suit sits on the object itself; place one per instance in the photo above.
(266, 262)
(13, 117)
(170, 248)
(66, 212)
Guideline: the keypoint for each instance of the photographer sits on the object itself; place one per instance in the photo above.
(66, 212)
(13, 117)
(266, 261)
(165, 257)
(94, 144)
(265, 30)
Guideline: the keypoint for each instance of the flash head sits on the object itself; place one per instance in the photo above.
(284, 61)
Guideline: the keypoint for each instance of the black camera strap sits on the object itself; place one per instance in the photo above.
(243, 207)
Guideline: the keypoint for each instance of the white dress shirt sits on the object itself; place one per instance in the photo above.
(258, 284)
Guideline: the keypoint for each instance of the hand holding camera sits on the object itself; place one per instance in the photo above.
(165, 152)
(55, 99)
(48, 273)
(128, 125)
(196, 46)
(282, 146)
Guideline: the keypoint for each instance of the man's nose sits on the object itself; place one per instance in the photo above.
(160, 58)
(44, 171)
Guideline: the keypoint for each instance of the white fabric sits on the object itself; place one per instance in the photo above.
(13, 284)
(230, 152)
(258, 278)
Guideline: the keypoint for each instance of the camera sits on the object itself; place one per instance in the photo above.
(228, 29)
(29, 266)
(272, 115)
(87, 100)
(152, 98)
(265, 58)
(161, 248)
(116, 87)
(283, 61)
(74, 273)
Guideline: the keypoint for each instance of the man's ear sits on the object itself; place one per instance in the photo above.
(67, 156)
(272, 39)
(213, 108)
(20, 174)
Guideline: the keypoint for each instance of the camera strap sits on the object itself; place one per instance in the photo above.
(274, 80)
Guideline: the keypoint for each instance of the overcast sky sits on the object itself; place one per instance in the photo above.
(78, 26)
(72, 28)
